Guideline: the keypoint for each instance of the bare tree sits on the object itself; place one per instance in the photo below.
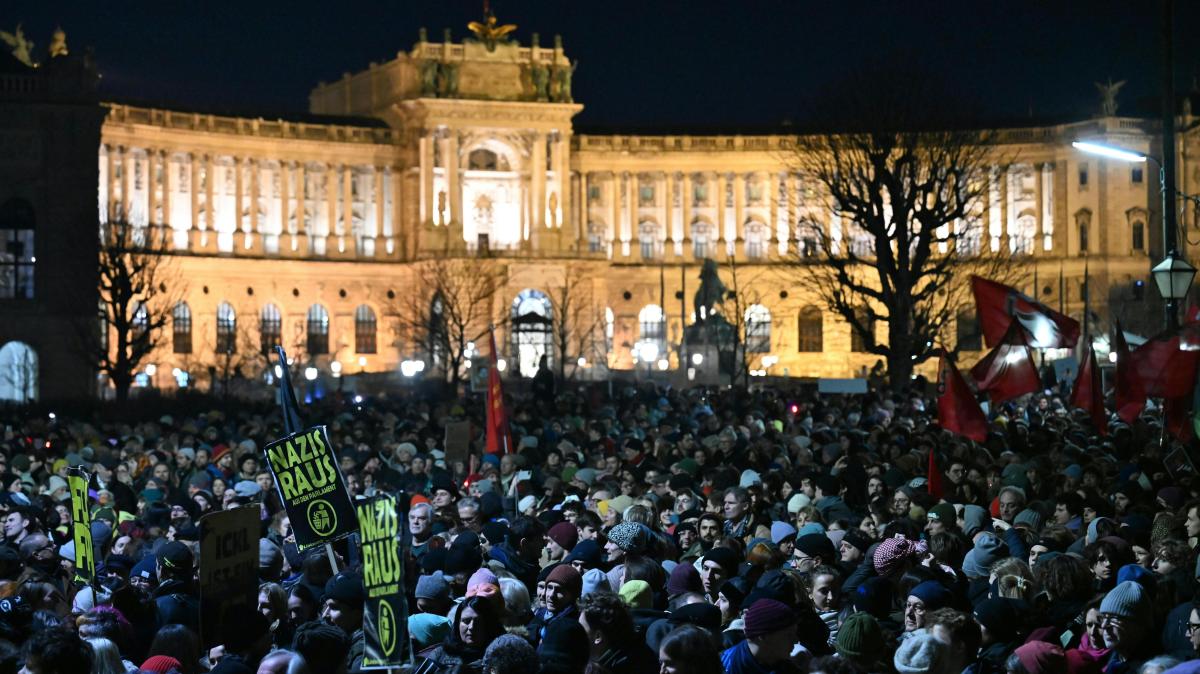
(238, 356)
(138, 287)
(577, 324)
(450, 307)
(907, 189)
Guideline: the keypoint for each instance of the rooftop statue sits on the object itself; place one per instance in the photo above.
(22, 48)
(488, 32)
(58, 43)
(1108, 96)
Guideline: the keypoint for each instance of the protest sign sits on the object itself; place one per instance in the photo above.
(457, 441)
(228, 569)
(81, 526)
(843, 386)
(385, 621)
(311, 487)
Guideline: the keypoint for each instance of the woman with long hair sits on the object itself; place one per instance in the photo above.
(689, 650)
(477, 623)
(179, 642)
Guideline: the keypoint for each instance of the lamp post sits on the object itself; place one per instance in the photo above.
(1173, 276)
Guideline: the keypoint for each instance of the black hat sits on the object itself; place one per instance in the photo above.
(175, 556)
(121, 564)
(728, 559)
(442, 480)
(346, 588)
(700, 614)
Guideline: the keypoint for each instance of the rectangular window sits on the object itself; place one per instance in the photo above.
(646, 195)
(16, 264)
(593, 193)
(1135, 175)
(857, 343)
(1083, 174)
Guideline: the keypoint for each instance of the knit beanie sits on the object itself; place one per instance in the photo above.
(1128, 600)
(632, 537)
(798, 501)
(508, 648)
(988, 550)
(589, 552)
(932, 593)
(1040, 657)
(484, 583)
(1000, 616)
(975, 519)
(684, 578)
(636, 594)
(781, 531)
(346, 588)
(728, 559)
(874, 596)
(858, 539)
(919, 653)
(433, 586)
(860, 637)
(1030, 518)
(945, 513)
(767, 616)
(567, 578)
(817, 545)
(428, 629)
(594, 580)
(565, 534)
(892, 553)
(811, 528)
(160, 664)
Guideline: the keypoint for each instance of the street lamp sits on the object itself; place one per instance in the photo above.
(1173, 275)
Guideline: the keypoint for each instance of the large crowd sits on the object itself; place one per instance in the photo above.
(650, 530)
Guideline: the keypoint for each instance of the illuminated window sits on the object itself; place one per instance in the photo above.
(270, 328)
(811, 328)
(17, 254)
(758, 329)
(318, 330)
(364, 329)
(226, 329)
(181, 328)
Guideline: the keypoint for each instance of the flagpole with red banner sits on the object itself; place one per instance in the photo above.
(499, 438)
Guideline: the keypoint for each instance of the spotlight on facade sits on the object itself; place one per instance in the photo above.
(663, 363)
(697, 359)
(52, 416)
(1110, 151)
(358, 400)
(648, 351)
(151, 370)
(278, 372)
(335, 367)
(310, 373)
(362, 361)
(582, 362)
(1112, 356)
(410, 368)
(501, 364)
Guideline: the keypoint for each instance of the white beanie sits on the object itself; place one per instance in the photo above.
(797, 501)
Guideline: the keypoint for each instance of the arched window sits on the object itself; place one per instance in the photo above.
(858, 344)
(812, 330)
(141, 321)
(17, 255)
(756, 240)
(226, 329)
(270, 328)
(970, 337)
(483, 159)
(701, 240)
(181, 328)
(364, 329)
(317, 341)
(1138, 235)
(1083, 237)
(18, 373)
(650, 324)
(758, 329)
(651, 242)
(532, 322)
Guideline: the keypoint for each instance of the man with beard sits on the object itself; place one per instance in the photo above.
(710, 530)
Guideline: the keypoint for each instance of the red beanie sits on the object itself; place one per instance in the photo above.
(161, 664)
(567, 577)
(767, 616)
(565, 534)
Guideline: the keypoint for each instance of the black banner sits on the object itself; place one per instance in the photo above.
(81, 526)
(311, 486)
(385, 618)
(228, 569)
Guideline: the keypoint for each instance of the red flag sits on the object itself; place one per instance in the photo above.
(1007, 371)
(499, 439)
(1088, 393)
(934, 480)
(1176, 414)
(1166, 370)
(997, 306)
(1131, 394)
(958, 410)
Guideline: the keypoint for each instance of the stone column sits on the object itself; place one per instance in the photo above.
(581, 206)
(686, 202)
(165, 158)
(380, 205)
(331, 214)
(1039, 196)
(194, 227)
(630, 220)
(427, 205)
(791, 185)
(254, 165)
(614, 193)
(739, 215)
(994, 217)
(152, 218)
(348, 242)
(210, 212)
(1006, 209)
(668, 181)
(299, 244)
(537, 188)
(1046, 206)
(773, 210)
(238, 189)
(453, 178)
(397, 222)
(127, 170)
(563, 167)
(111, 182)
(721, 248)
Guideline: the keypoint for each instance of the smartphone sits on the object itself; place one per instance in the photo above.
(524, 475)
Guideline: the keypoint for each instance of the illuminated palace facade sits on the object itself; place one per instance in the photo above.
(313, 232)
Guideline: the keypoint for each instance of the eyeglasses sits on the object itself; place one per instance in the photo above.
(1192, 627)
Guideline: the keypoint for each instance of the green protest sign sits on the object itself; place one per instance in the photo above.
(311, 487)
(81, 526)
(385, 621)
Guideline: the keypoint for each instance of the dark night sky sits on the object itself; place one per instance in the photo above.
(648, 64)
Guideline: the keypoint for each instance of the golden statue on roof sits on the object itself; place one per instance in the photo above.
(488, 32)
